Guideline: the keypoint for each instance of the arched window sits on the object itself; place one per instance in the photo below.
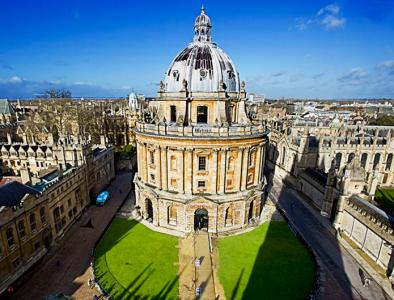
(338, 158)
(350, 158)
(376, 161)
(283, 155)
(172, 215)
(202, 114)
(229, 216)
(10, 237)
(364, 158)
(389, 162)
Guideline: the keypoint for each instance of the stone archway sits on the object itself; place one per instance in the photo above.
(149, 210)
(201, 219)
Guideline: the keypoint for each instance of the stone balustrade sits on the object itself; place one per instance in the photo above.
(201, 130)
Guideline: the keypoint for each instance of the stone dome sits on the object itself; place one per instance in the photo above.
(204, 66)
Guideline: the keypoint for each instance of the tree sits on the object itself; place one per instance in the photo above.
(58, 94)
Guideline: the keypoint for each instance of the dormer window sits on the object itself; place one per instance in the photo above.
(203, 74)
(175, 74)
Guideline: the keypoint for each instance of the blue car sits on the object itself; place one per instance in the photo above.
(102, 198)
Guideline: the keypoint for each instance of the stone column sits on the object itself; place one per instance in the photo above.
(223, 170)
(189, 171)
(214, 175)
(262, 161)
(245, 156)
(144, 163)
(183, 169)
(158, 166)
(257, 166)
(164, 170)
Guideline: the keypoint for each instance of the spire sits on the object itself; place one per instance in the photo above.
(202, 27)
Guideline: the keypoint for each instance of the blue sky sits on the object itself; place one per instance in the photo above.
(307, 49)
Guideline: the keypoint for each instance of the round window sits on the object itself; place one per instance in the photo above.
(203, 73)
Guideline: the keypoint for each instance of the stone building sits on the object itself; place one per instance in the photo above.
(339, 168)
(200, 159)
(311, 156)
(36, 213)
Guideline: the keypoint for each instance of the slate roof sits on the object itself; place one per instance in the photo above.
(5, 107)
(12, 193)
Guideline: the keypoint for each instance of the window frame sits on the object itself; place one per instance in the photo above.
(10, 237)
(202, 116)
(33, 222)
(173, 113)
(21, 229)
(202, 163)
(201, 184)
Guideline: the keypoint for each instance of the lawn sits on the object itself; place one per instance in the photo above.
(385, 200)
(266, 263)
(134, 262)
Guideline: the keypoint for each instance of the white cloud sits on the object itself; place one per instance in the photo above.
(386, 66)
(331, 9)
(355, 75)
(16, 79)
(329, 17)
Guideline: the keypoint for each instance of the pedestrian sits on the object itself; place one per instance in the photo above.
(366, 282)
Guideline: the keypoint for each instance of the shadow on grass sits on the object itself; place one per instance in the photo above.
(136, 289)
(133, 290)
(115, 233)
(236, 288)
(283, 268)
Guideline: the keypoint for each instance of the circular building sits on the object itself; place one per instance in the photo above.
(200, 160)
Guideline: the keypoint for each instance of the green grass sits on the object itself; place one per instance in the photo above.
(134, 262)
(385, 200)
(266, 263)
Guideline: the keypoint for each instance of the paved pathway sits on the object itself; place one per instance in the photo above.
(187, 270)
(342, 270)
(204, 272)
(74, 253)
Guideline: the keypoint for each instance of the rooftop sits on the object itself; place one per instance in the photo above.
(13, 193)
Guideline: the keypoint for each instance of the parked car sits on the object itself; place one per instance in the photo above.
(102, 198)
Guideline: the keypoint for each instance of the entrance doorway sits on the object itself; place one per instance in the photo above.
(250, 214)
(149, 210)
(201, 219)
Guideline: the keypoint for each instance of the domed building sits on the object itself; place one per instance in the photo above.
(200, 160)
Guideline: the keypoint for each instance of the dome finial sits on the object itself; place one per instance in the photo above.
(202, 27)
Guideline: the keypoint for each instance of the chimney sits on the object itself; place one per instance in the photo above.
(60, 171)
(25, 175)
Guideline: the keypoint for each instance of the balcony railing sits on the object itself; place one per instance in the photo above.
(202, 130)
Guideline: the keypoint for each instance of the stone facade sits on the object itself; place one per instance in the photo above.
(200, 159)
(29, 229)
(370, 228)
(329, 151)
